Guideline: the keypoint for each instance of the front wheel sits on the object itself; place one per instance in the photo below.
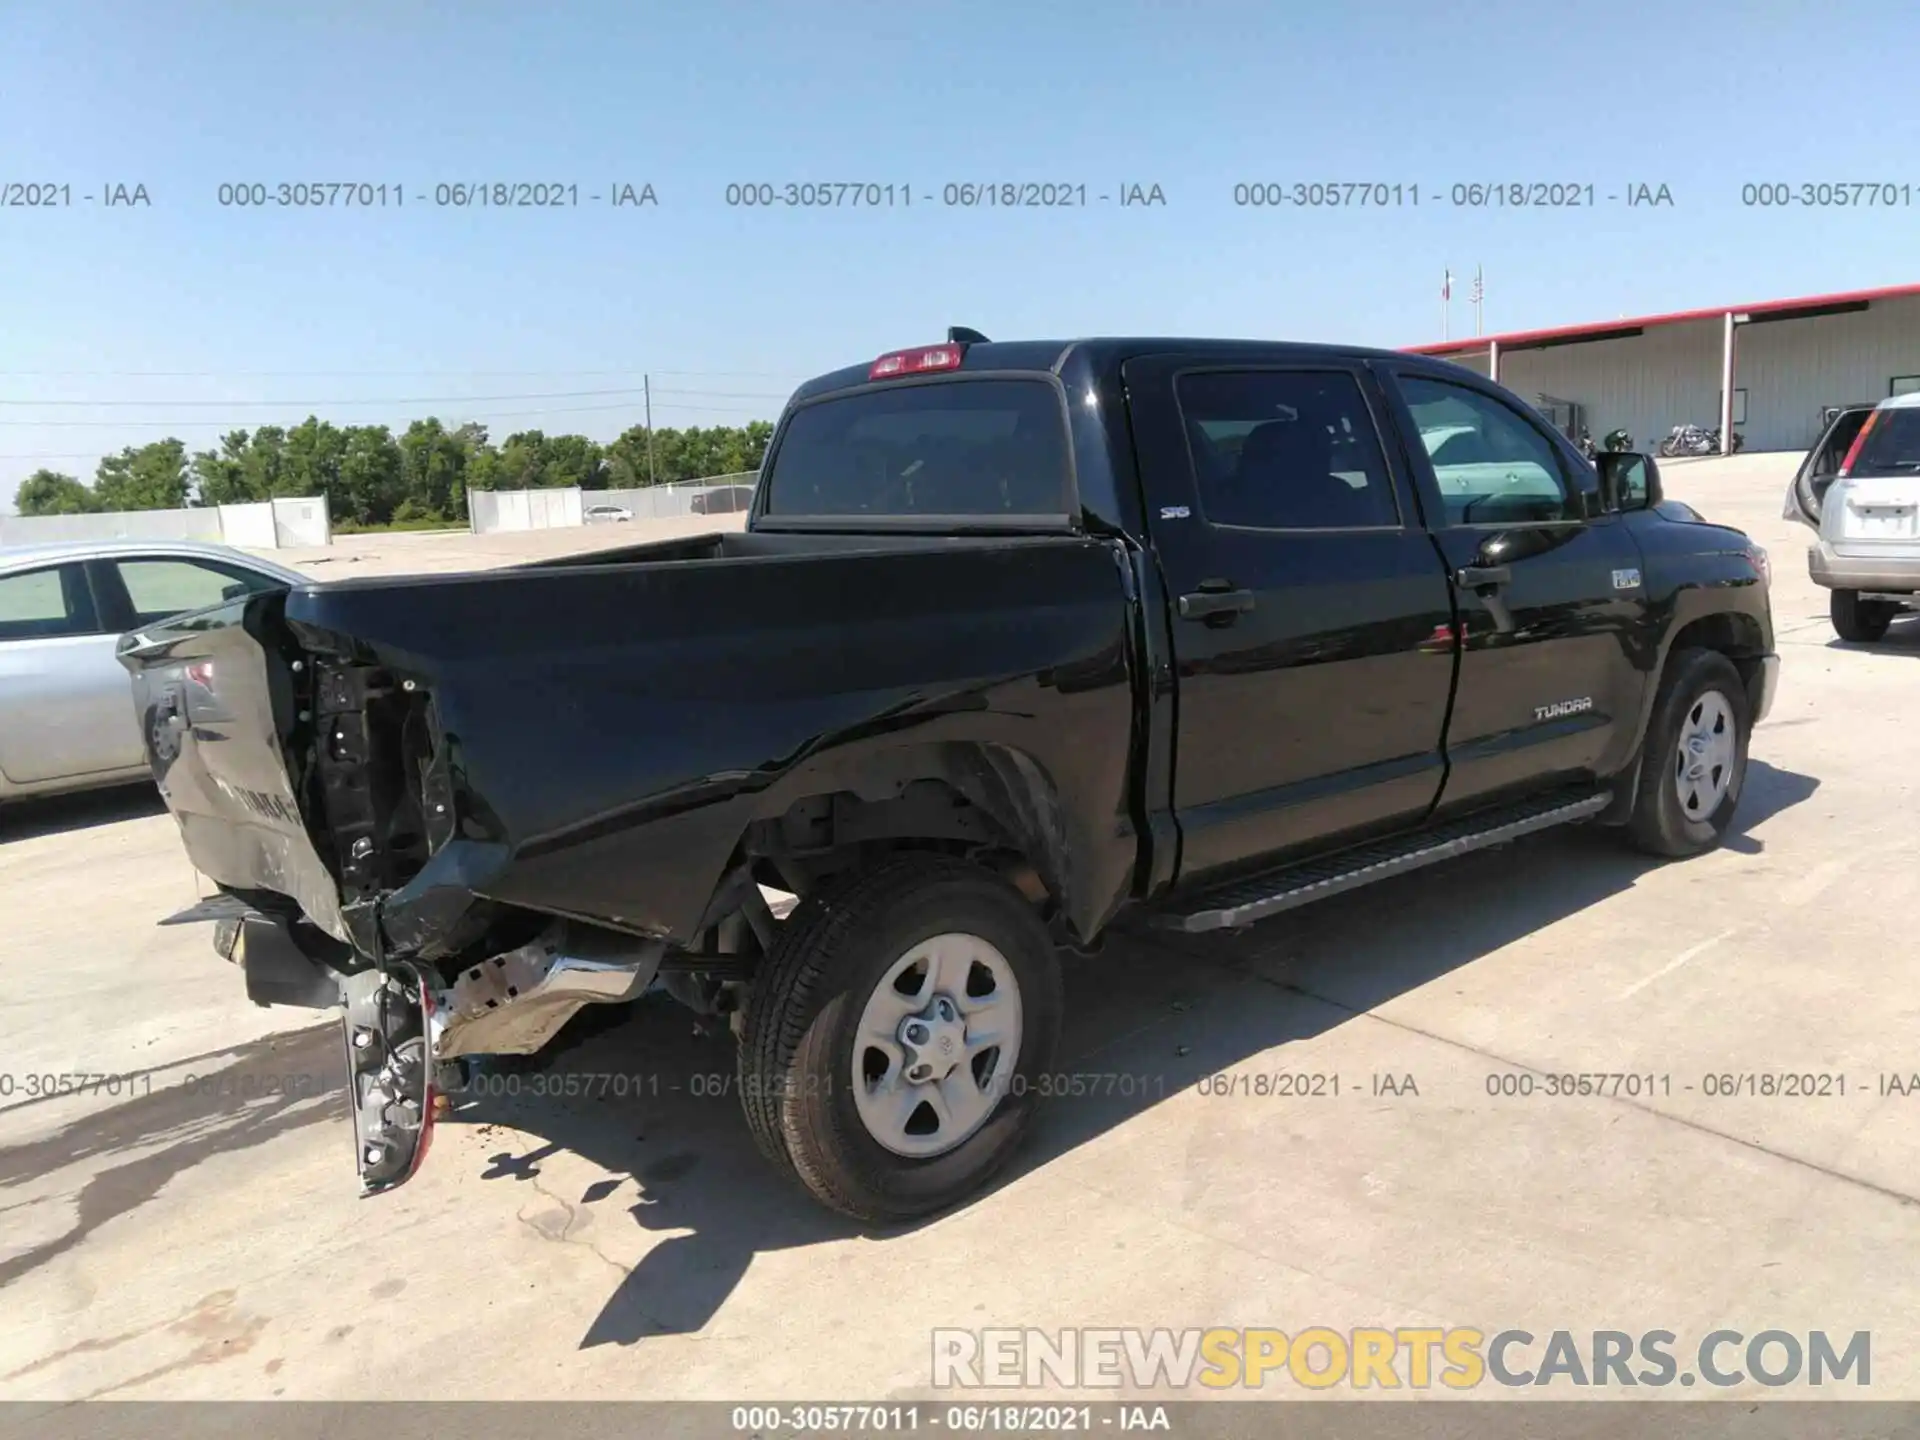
(1861, 622)
(1693, 761)
(895, 1036)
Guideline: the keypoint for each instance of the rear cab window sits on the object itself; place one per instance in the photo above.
(988, 449)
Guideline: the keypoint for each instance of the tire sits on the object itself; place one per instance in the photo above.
(1860, 622)
(799, 1051)
(1662, 822)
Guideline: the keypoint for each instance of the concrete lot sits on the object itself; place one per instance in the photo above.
(195, 1239)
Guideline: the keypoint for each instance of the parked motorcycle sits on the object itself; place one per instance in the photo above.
(1694, 440)
(1585, 442)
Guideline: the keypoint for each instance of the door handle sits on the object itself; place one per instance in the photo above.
(1475, 577)
(1207, 604)
(1487, 581)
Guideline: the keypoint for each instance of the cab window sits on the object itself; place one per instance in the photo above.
(1492, 465)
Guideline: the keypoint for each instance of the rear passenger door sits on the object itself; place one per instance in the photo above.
(1310, 611)
(1555, 644)
(66, 706)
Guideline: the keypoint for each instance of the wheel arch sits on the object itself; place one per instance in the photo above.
(839, 808)
(1735, 634)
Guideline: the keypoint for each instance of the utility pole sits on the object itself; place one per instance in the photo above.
(646, 385)
(1446, 300)
(1479, 294)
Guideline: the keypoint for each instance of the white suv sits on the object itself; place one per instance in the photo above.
(1864, 500)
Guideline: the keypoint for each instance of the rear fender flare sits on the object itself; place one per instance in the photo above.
(1007, 785)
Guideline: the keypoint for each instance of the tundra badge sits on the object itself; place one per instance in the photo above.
(1626, 579)
(1562, 707)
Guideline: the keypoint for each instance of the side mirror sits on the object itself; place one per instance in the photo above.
(1628, 480)
(234, 591)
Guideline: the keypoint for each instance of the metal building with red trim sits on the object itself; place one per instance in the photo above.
(1789, 361)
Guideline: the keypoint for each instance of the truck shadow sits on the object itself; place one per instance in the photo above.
(1148, 1018)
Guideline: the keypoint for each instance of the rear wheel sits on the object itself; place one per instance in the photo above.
(1860, 621)
(894, 1036)
(1694, 760)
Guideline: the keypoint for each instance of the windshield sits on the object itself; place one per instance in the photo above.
(1893, 444)
(953, 447)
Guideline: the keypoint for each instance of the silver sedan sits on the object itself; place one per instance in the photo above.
(66, 707)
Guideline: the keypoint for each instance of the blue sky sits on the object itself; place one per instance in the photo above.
(185, 302)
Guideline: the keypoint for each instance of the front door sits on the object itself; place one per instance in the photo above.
(1550, 590)
(1311, 613)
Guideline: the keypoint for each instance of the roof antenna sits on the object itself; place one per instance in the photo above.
(961, 335)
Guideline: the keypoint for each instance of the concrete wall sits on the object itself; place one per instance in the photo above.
(114, 525)
(302, 522)
(262, 525)
(491, 511)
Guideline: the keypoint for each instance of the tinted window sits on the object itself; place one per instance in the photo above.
(1285, 450)
(159, 588)
(1892, 446)
(41, 604)
(1839, 440)
(955, 447)
(1493, 466)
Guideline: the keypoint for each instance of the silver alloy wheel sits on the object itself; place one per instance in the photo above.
(1705, 757)
(937, 1045)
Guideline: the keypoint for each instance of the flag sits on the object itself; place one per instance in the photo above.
(1446, 286)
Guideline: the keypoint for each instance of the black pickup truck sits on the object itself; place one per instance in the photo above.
(1020, 640)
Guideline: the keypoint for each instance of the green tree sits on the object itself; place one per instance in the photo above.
(220, 477)
(264, 461)
(434, 469)
(372, 476)
(48, 492)
(152, 477)
(311, 459)
(571, 460)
